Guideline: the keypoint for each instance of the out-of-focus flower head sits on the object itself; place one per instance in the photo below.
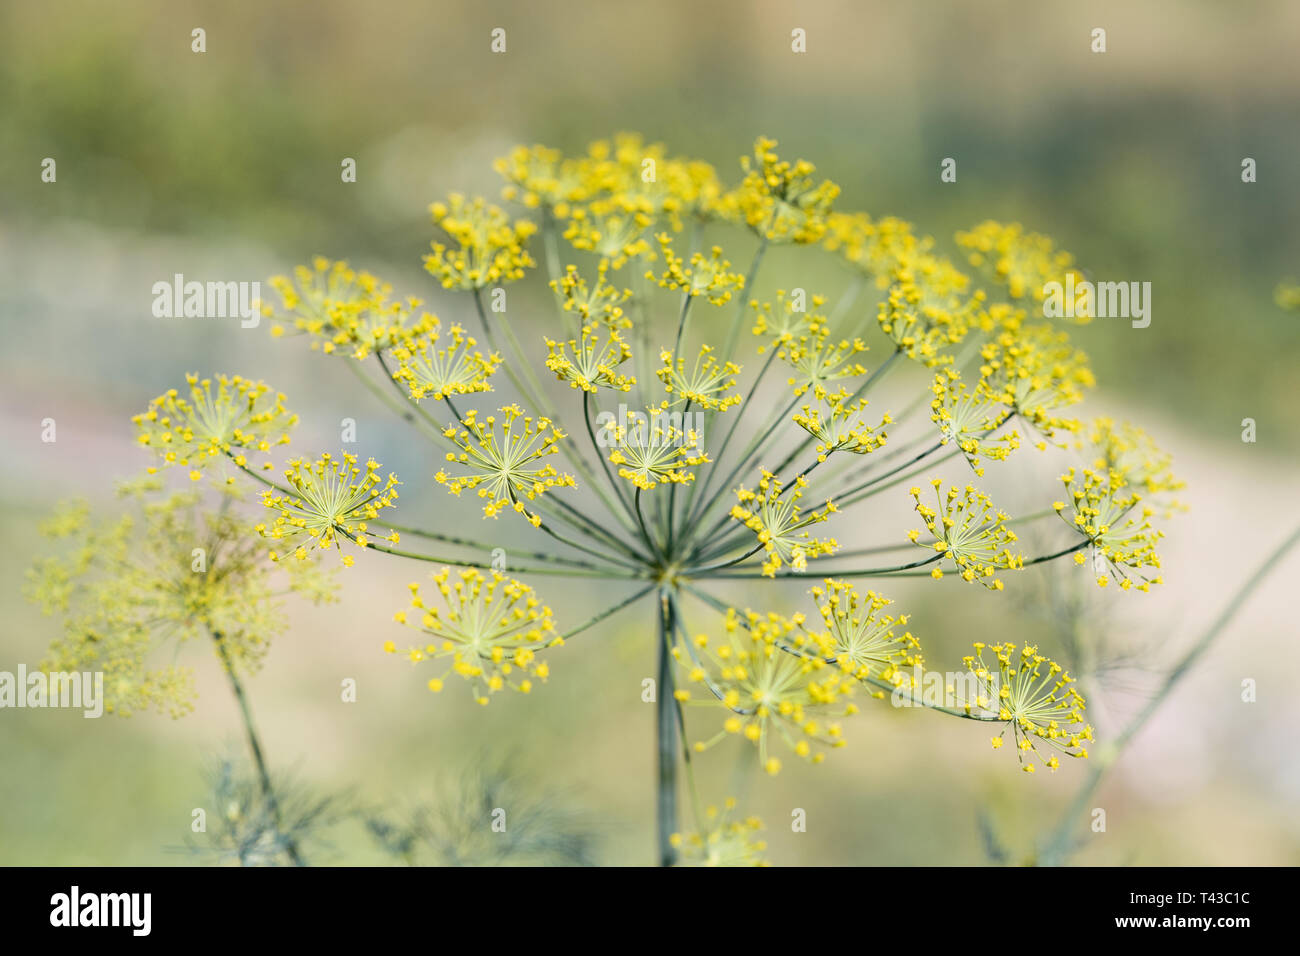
(722, 842)
(236, 417)
(132, 589)
(484, 246)
(779, 200)
(339, 308)
(768, 687)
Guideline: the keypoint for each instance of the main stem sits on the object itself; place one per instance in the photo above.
(255, 745)
(666, 734)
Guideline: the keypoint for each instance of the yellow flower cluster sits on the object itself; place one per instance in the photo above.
(338, 307)
(877, 249)
(860, 639)
(433, 363)
(1121, 540)
(767, 687)
(489, 633)
(235, 417)
(723, 842)
(595, 360)
(328, 500)
(967, 529)
(1035, 699)
(969, 418)
(655, 448)
(130, 594)
(779, 200)
(787, 322)
(839, 427)
(705, 385)
(703, 276)
(599, 301)
(772, 512)
(484, 247)
(502, 455)
(928, 307)
(1022, 262)
(615, 184)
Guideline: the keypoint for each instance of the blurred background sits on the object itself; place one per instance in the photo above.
(226, 165)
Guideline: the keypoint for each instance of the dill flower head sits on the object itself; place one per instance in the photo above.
(768, 687)
(627, 299)
(840, 427)
(540, 177)
(706, 383)
(968, 418)
(967, 529)
(612, 228)
(815, 362)
(654, 448)
(133, 589)
(236, 417)
(488, 632)
(338, 307)
(329, 500)
(484, 247)
(928, 307)
(1130, 453)
(434, 363)
(772, 512)
(723, 841)
(783, 325)
(1121, 540)
(779, 200)
(597, 354)
(1036, 372)
(502, 455)
(1035, 699)
(705, 276)
(875, 248)
(600, 301)
(1022, 262)
(860, 639)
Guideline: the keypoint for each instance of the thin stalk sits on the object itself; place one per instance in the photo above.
(1059, 843)
(396, 407)
(255, 747)
(666, 735)
(717, 461)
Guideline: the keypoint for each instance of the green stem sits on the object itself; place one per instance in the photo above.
(666, 735)
(1059, 844)
(255, 746)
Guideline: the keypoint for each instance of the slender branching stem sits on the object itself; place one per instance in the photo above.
(255, 748)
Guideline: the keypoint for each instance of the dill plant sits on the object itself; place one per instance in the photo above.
(709, 478)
